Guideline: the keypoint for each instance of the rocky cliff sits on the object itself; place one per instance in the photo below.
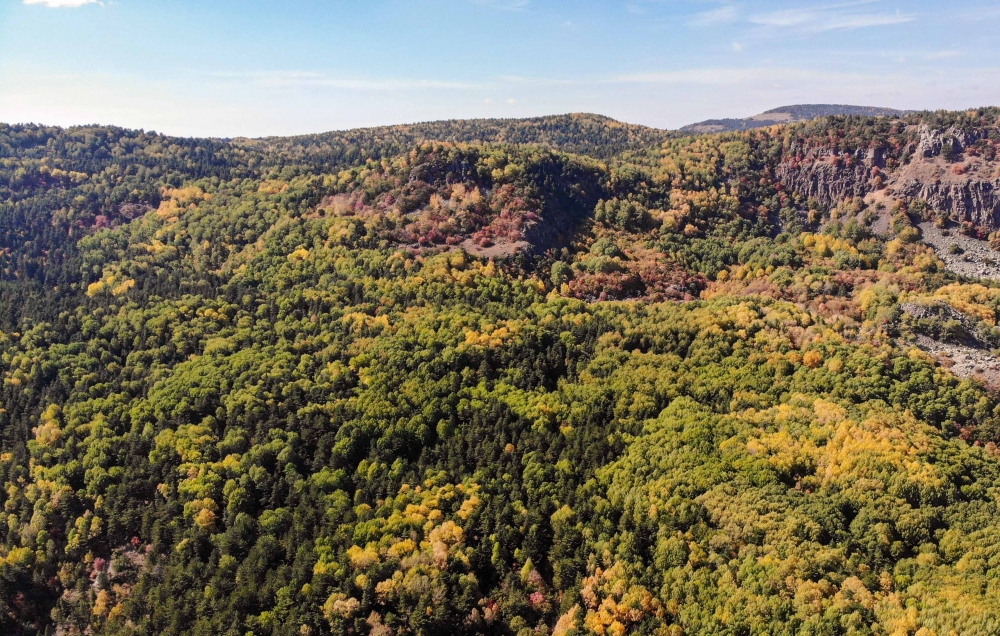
(970, 200)
(955, 171)
(831, 178)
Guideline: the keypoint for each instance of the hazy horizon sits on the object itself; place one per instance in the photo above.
(391, 124)
(266, 69)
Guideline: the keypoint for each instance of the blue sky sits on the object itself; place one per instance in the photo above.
(256, 67)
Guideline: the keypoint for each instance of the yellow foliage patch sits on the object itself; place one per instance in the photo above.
(813, 359)
(362, 558)
(490, 336)
(177, 200)
(272, 186)
(615, 603)
(49, 431)
(973, 300)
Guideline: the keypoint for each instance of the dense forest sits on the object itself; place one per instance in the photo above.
(559, 376)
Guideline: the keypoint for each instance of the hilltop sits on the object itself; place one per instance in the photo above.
(580, 133)
(788, 115)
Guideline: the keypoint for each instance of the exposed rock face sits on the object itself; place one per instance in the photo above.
(830, 178)
(965, 188)
(964, 362)
(825, 181)
(941, 310)
(975, 201)
(974, 258)
(932, 141)
(970, 194)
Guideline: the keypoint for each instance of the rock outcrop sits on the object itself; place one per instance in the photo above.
(975, 201)
(932, 141)
(935, 169)
(829, 179)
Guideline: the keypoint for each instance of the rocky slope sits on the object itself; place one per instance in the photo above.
(831, 177)
(965, 348)
(952, 170)
(952, 176)
(962, 254)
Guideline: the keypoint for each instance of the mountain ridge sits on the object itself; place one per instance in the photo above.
(789, 114)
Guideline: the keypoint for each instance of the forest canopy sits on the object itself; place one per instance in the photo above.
(559, 376)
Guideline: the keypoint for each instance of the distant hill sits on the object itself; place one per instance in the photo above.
(581, 133)
(788, 114)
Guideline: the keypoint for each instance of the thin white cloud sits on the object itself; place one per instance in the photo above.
(723, 15)
(61, 4)
(204, 105)
(786, 18)
(829, 18)
(942, 55)
(504, 5)
(865, 21)
(307, 79)
(537, 81)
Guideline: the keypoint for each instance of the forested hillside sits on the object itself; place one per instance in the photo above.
(580, 133)
(557, 376)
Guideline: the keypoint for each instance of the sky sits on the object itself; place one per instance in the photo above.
(226, 68)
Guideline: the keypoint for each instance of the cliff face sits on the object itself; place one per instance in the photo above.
(932, 141)
(940, 167)
(830, 179)
(972, 200)
(965, 187)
